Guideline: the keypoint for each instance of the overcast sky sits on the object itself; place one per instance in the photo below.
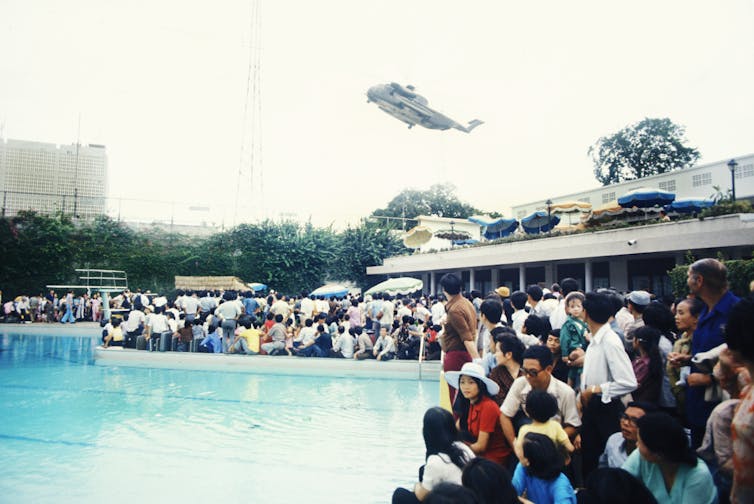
(163, 85)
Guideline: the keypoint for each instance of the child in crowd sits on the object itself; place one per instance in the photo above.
(115, 336)
(541, 407)
(539, 473)
(573, 335)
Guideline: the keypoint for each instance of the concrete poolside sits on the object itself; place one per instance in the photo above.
(395, 369)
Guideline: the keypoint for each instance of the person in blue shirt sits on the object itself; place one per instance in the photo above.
(707, 280)
(667, 465)
(540, 473)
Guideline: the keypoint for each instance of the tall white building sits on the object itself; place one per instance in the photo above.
(49, 178)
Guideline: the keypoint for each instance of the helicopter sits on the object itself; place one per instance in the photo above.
(406, 105)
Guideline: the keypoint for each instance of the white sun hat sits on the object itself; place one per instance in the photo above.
(475, 371)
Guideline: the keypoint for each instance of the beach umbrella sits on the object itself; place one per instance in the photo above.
(689, 205)
(493, 229)
(330, 290)
(256, 286)
(539, 222)
(646, 197)
(570, 208)
(399, 285)
(417, 236)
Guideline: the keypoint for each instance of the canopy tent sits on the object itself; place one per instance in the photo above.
(399, 285)
(493, 229)
(330, 290)
(689, 205)
(256, 286)
(470, 241)
(539, 222)
(417, 236)
(211, 283)
(646, 197)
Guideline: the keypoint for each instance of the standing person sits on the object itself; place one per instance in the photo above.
(478, 414)
(459, 335)
(228, 311)
(647, 365)
(68, 317)
(606, 378)
(686, 317)
(739, 334)
(444, 459)
(707, 280)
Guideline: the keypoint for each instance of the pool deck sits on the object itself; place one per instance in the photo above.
(394, 369)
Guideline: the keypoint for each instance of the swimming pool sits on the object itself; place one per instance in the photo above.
(75, 432)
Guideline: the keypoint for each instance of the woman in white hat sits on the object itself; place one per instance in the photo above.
(478, 414)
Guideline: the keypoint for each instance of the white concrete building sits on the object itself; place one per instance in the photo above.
(695, 182)
(49, 178)
(628, 258)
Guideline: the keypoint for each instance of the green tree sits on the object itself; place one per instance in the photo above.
(35, 250)
(365, 245)
(646, 148)
(439, 199)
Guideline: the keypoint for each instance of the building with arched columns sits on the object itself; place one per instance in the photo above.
(627, 259)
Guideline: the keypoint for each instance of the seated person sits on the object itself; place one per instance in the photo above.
(246, 340)
(316, 345)
(182, 337)
(198, 333)
(667, 465)
(384, 347)
(621, 444)
(364, 344)
(115, 336)
(343, 347)
(540, 473)
(213, 343)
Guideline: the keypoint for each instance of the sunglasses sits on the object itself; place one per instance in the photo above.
(631, 420)
(532, 372)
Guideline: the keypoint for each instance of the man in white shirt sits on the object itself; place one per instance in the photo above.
(607, 376)
(307, 306)
(537, 367)
(438, 310)
(388, 313)
(559, 316)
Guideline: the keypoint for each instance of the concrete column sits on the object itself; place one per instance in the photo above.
(425, 281)
(619, 274)
(432, 282)
(522, 277)
(495, 278)
(588, 275)
(550, 274)
(471, 280)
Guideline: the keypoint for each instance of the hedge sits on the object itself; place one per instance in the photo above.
(740, 274)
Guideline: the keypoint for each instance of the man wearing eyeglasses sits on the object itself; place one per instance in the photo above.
(537, 368)
(620, 445)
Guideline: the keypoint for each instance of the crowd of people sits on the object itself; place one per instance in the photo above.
(563, 396)
(556, 395)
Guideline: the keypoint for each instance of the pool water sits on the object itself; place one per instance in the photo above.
(71, 431)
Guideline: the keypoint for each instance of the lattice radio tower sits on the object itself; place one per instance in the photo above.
(250, 184)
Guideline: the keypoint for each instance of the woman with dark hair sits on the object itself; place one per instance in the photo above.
(616, 486)
(478, 414)
(667, 465)
(490, 482)
(660, 316)
(540, 474)
(687, 313)
(647, 365)
(445, 457)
